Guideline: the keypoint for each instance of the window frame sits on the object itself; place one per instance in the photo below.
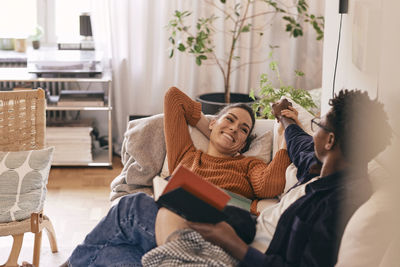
(46, 19)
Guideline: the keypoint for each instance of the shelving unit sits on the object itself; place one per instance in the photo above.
(100, 158)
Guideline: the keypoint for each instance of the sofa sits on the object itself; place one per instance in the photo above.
(370, 238)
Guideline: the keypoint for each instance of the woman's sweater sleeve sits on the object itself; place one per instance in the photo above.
(179, 111)
(268, 180)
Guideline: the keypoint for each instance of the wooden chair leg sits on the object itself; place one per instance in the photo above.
(15, 250)
(40, 221)
(36, 248)
(51, 234)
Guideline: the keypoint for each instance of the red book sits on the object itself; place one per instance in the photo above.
(193, 198)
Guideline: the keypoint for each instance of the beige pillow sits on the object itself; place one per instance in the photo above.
(305, 118)
(369, 232)
(261, 147)
(374, 225)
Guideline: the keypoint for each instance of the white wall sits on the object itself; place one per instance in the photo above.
(369, 54)
(368, 60)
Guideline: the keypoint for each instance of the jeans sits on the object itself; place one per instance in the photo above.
(122, 237)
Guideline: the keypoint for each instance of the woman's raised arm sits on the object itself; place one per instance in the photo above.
(179, 112)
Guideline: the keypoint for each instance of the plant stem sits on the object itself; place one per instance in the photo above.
(237, 31)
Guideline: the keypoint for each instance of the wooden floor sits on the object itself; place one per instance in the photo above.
(77, 199)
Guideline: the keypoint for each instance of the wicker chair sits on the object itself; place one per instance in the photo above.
(22, 127)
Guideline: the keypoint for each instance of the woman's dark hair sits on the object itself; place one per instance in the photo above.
(250, 137)
(360, 125)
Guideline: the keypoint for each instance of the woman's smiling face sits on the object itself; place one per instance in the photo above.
(229, 132)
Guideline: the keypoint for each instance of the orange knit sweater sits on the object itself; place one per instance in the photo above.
(247, 176)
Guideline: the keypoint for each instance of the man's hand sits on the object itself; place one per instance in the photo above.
(277, 107)
(223, 235)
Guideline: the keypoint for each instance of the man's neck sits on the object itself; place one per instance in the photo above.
(333, 162)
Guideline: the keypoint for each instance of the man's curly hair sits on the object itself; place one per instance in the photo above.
(360, 125)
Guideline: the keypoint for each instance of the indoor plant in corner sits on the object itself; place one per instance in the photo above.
(200, 39)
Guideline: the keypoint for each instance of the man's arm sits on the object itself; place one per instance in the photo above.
(300, 145)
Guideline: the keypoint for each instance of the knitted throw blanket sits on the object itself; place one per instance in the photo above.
(188, 248)
(143, 153)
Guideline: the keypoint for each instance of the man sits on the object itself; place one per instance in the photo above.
(312, 216)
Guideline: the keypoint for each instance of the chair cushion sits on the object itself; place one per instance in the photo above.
(23, 180)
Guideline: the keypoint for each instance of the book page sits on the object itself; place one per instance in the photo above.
(158, 186)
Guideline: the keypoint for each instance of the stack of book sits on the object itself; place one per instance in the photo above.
(72, 144)
(77, 98)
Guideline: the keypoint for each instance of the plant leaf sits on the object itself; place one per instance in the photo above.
(198, 60)
(181, 47)
(246, 28)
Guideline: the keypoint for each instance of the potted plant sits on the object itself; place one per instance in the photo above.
(199, 39)
(267, 94)
(38, 33)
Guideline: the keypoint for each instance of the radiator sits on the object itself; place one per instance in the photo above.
(52, 88)
(8, 64)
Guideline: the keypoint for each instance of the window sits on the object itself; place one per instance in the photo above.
(18, 18)
(58, 18)
(67, 18)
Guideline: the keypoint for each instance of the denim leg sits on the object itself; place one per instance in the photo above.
(122, 237)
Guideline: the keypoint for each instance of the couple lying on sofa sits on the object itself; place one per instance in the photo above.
(303, 229)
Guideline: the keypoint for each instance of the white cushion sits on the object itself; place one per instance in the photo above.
(372, 227)
(291, 178)
(266, 203)
(23, 179)
(368, 233)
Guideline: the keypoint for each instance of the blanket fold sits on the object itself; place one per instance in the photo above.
(142, 154)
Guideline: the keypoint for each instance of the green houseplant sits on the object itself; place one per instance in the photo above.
(36, 36)
(199, 39)
(267, 94)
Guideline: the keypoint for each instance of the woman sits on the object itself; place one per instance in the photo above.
(230, 135)
(136, 224)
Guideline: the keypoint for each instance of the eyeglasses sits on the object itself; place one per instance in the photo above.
(317, 121)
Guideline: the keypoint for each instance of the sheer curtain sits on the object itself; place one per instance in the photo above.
(134, 41)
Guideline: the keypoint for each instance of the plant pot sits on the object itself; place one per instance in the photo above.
(213, 102)
(36, 44)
